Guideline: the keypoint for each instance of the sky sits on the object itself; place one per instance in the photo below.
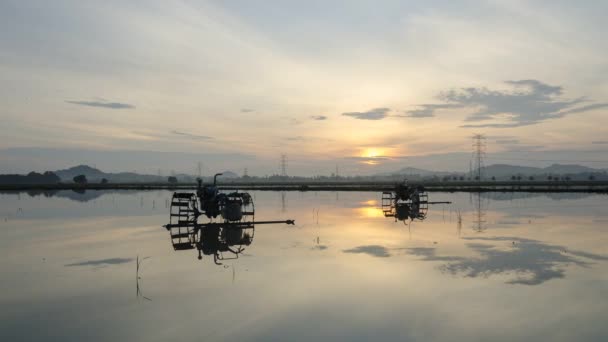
(359, 86)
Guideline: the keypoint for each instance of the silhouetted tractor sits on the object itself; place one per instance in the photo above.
(406, 202)
(234, 229)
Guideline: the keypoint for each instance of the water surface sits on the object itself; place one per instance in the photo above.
(498, 267)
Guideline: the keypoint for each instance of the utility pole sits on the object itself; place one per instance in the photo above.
(479, 152)
(200, 169)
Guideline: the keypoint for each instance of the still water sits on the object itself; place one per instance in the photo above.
(489, 267)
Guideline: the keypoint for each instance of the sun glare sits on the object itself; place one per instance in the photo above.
(372, 152)
(370, 162)
(370, 212)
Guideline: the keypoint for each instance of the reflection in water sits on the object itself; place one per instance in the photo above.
(224, 240)
(344, 274)
(373, 250)
(479, 221)
(139, 293)
(221, 240)
(406, 203)
(101, 262)
(531, 261)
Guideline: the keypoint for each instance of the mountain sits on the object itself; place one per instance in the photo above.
(228, 174)
(576, 171)
(570, 169)
(95, 176)
(89, 172)
(505, 171)
(412, 171)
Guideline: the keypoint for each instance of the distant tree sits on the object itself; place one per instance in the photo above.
(80, 179)
(567, 178)
(31, 178)
(549, 177)
(591, 177)
(531, 178)
(518, 178)
(172, 179)
(461, 178)
(493, 178)
(513, 178)
(104, 181)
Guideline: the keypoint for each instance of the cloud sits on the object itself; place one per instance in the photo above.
(192, 136)
(373, 250)
(102, 262)
(373, 114)
(103, 104)
(297, 138)
(247, 110)
(319, 117)
(586, 108)
(428, 110)
(528, 102)
(291, 120)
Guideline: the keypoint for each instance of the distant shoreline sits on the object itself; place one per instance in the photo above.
(456, 186)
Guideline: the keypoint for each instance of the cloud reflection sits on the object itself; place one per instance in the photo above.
(531, 261)
(373, 250)
(102, 262)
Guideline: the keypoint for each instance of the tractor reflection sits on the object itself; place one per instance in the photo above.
(220, 240)
(407, 202)
(225, 239)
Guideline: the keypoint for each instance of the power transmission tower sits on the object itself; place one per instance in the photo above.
(245, 175)
(284, 165)
(200, 169)
(479, 152)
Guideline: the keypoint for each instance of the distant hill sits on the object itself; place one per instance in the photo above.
(566, 169)
(95, 176)
(504, 171)
(91, 173)
(229, 174)
(412, 171)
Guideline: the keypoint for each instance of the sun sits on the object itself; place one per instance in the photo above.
(372, 152)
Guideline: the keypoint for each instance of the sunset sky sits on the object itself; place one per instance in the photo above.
(367, 86)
